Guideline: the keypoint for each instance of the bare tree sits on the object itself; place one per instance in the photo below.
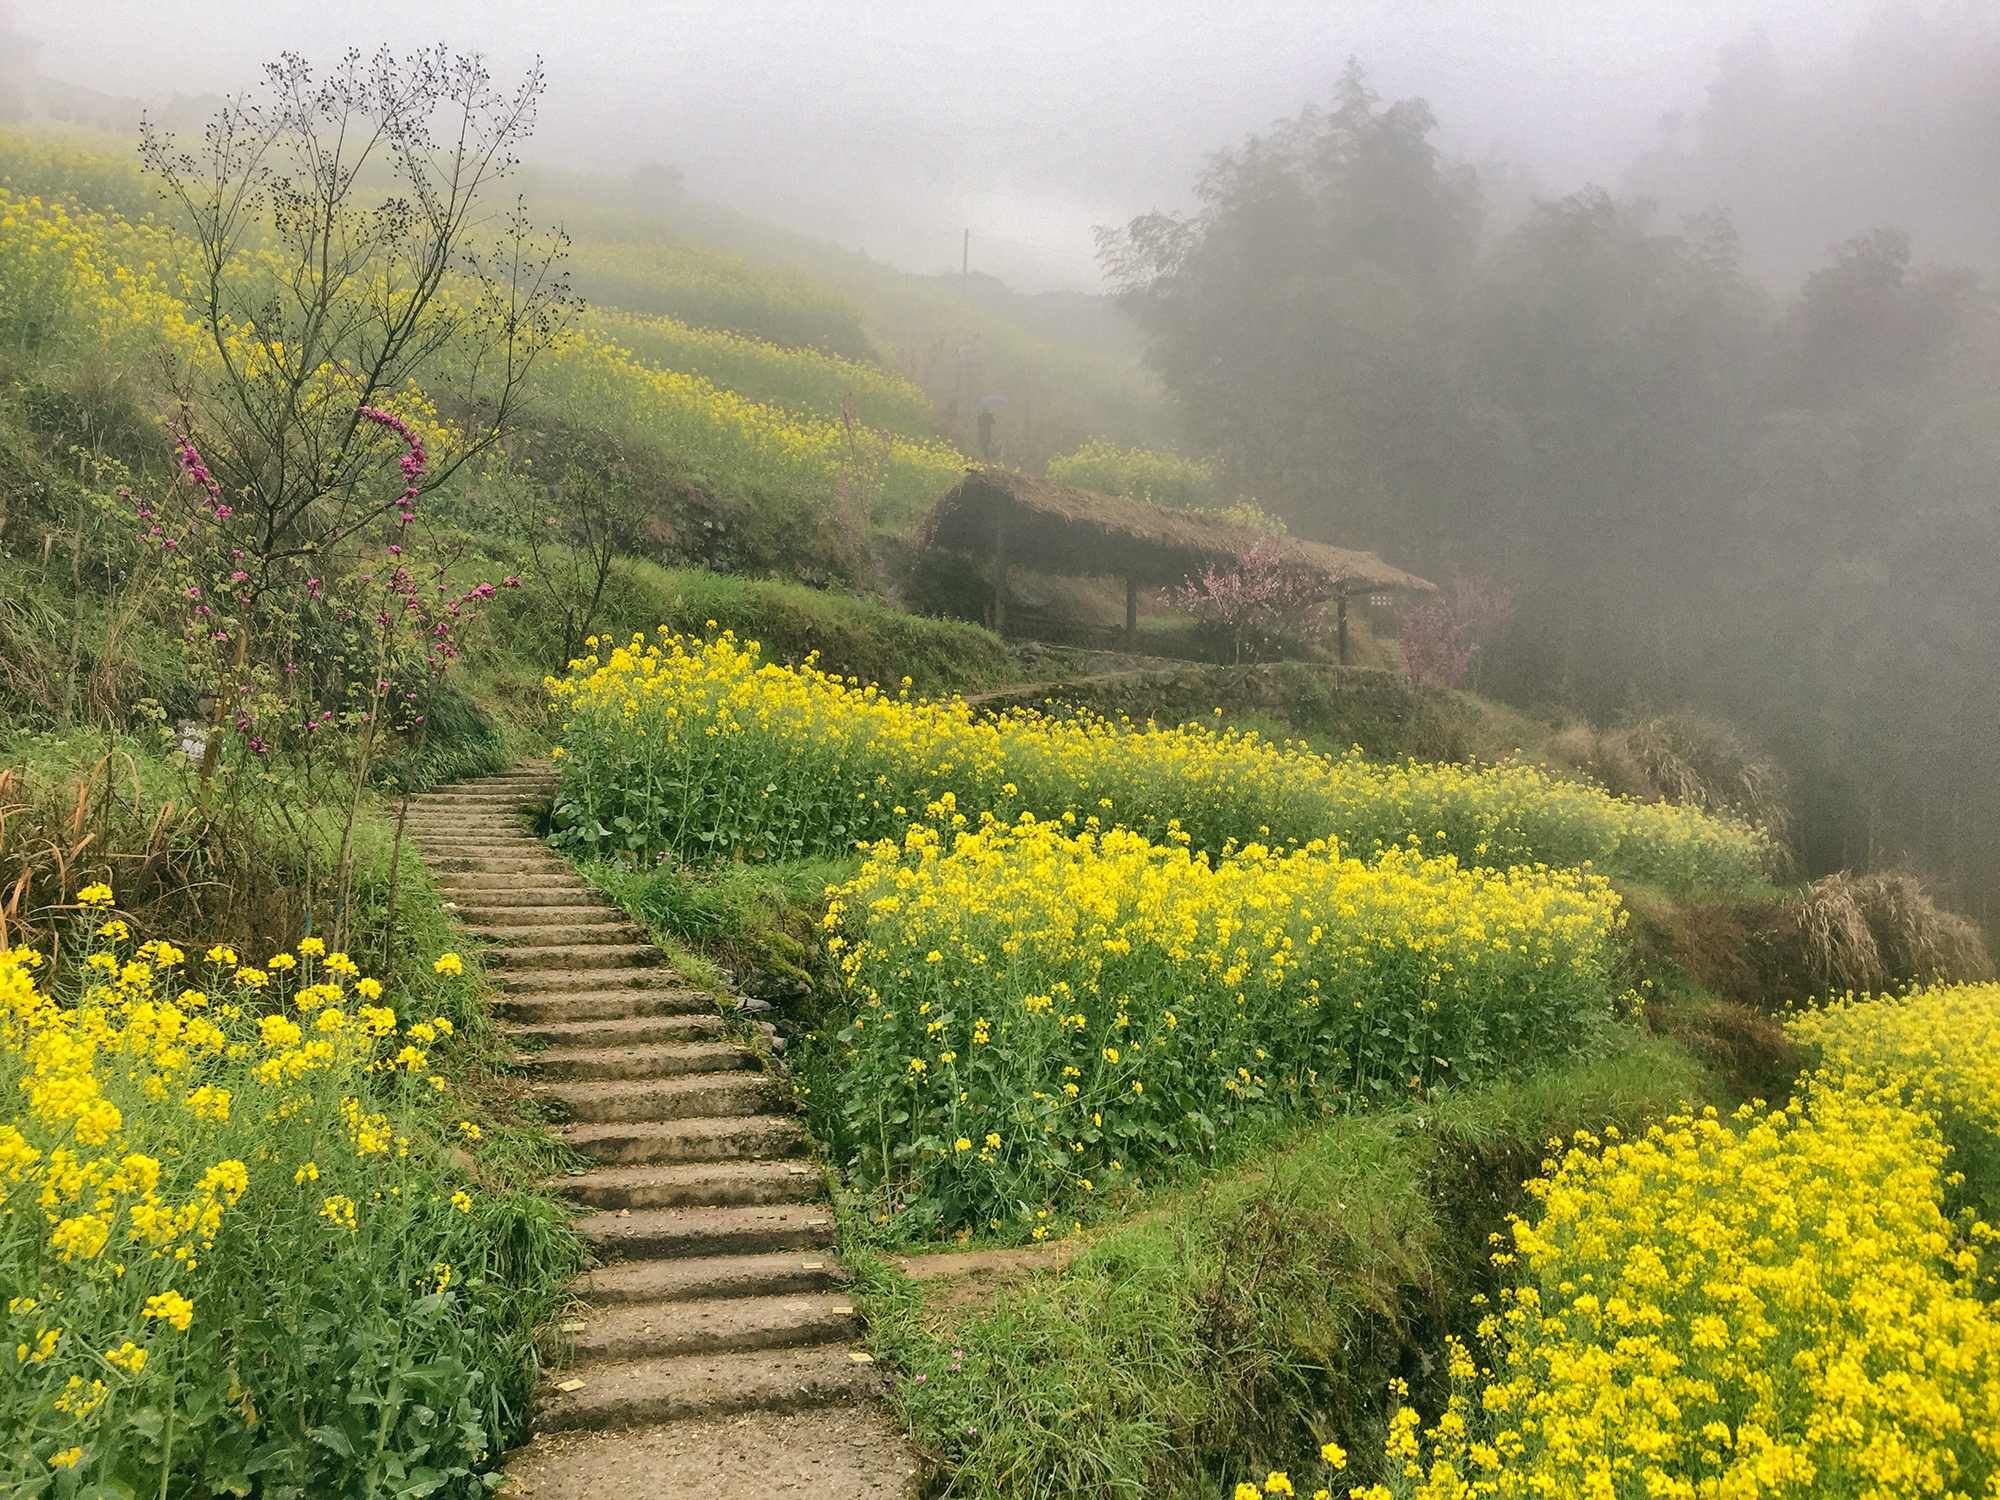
(571, 552)
(340, 253)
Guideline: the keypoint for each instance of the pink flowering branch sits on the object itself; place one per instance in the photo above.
(1442, 636)
(1263, 587)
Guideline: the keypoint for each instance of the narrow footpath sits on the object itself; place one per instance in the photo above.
(716, 1353)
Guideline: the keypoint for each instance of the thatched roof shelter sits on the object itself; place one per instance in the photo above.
(1036, 523)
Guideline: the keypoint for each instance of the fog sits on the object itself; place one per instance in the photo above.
(897, 127)
(1674, 321)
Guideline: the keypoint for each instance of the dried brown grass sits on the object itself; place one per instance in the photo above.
(59, 833)
(1872, 932)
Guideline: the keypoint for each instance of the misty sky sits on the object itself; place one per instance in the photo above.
(894, 126)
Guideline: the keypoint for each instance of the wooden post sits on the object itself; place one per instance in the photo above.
(1000, 572)
(1131, 612)
(1340, 614)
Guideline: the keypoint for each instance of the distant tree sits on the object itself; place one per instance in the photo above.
(1443, 636)
(575, 530)
(1295, 315)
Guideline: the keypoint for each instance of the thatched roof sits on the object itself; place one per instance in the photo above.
(1051, 528)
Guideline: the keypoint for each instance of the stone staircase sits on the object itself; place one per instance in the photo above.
(714, 1291)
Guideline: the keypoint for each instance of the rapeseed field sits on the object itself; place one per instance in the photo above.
(699, 747)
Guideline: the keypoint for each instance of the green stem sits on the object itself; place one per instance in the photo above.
(167, 1448)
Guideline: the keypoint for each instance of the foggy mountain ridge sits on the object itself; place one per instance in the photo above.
(1806, 122)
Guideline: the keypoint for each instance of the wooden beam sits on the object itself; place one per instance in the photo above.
(1340, 614)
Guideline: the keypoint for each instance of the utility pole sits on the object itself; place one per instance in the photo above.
(965, 269)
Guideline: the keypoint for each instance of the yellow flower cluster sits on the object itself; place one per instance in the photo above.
(91, 281)
(696, 746)
(153, 1107)
(1085, 1001)
(1940, 1046)
(1774, 1306)
(109, 288)
(1162, 476)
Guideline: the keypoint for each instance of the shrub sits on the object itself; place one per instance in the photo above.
(1162, 476)
(704, 749)
(1040, 1013)
(233, 1244)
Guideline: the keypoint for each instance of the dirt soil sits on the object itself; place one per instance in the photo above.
(985, 1263)
(833, 1453)
(971, 1279)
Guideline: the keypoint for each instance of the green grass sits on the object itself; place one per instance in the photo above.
(1229, 1328)
(763, 915)
(625, 265)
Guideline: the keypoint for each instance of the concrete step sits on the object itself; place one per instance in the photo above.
(507, 799)
(621, 1018)
(567, 935)
(483, 841)
(715, 1326)
(438, 852)
(708, 1138)
(607, 956)
(846, 1452)
(552, 890)
(539, 915)
(511, 825)
(524, 786)
(580, 981)
(786, 1273)
(523, 797)
(630, 1393)
(689, 1233)
(532, 863)
(687, 1097)
(511, 829)
(693, 1185)
(502, 782)
(651, 1060)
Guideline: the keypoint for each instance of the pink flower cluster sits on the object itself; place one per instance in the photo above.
(413, 462)
(1441, 637)
(391, 597)
(1261, 588)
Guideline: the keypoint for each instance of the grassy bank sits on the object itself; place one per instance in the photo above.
(1209, 1330)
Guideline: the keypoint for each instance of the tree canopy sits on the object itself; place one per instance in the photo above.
(1783, 507)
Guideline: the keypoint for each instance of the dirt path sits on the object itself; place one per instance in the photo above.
(712, 1340)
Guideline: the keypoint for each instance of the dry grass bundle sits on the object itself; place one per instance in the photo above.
(61, 830)
(1919, 940)
(1871, 932)
(1836, 945)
